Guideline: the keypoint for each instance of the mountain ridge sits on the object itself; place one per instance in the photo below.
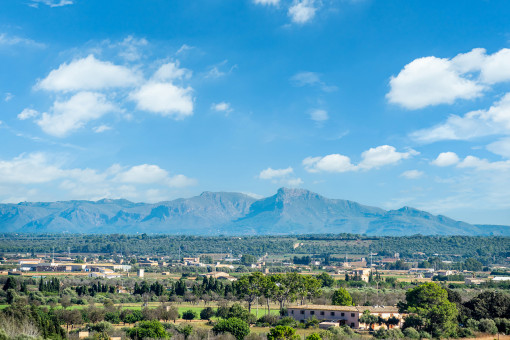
(289, 211)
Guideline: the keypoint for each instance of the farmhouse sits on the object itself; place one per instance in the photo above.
(345, 315)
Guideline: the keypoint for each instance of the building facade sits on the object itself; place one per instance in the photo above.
(344, 315)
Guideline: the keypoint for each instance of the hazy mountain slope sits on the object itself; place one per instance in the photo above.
(289, 211)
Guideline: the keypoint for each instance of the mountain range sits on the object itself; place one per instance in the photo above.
(289, 211)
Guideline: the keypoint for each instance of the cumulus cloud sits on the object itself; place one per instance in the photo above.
(165, 99)
(431, 81)
(495, 120)
(383, 155)
(171, 71)
(271, 173)
(73, 114)
(28, 172)
(27, 114)
(329, 163)
(483, 164)
(372, 158)
(88, 74)
(221, 107)
(281, 176)
(302, 11)
(446, 159)
(412, 174)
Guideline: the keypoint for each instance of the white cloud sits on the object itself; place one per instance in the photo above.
(302, 11)
(483, 164)
(52, 3)
(281, 176)
(373, 158)
(130, 48)
(25, 174)
(145, 173)
(500, 147)
(271, 173)
(183, 49)
(165, 99)
(73, 114)
(446, 159)
(88, 74)
(9, 40)
(102, 128)
(8, 96)
(495, 120)
(311, 79)
(215, 72)
(27, 114)
(221, 107)
(329, 163)
(430, 81)
(171, 71)
(27, 169)
(382, 155)
(319, 115)
(305, 78)
(412, 174)
(267, 2)
(496, 67)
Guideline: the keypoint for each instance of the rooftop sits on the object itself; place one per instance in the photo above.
(361, 309)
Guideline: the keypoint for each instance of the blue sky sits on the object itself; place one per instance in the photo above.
(388, 103)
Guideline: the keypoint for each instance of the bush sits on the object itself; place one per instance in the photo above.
(282, 333)
(411, 333)
(189, 315)
(314, 336)
(472, 324)
(267, 320)
(425, 335)
(388, 333)
(503, 325)
(487, 326)
(465, 333)
(234, 326)
(148, 329)
(312, 322)
(206, 313)
(287, 321)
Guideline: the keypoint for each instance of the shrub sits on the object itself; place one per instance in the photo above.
(282, 333)
(287, 321)
(425, 335)
(503, 325)
(388, 333)
(465, 333)
(411, 333)
(314, 336)
(234, 326)
(472, 324)
(487, 326)
(206, 313)
(189, 315)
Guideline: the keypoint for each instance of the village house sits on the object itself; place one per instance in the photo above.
(344, 315)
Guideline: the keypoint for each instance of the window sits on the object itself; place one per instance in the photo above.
(291, 312)
(342, 314)
(302, 312)
(333, 313)
(352, 324)
(352, 314)
(312, 312)
(322, 313)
